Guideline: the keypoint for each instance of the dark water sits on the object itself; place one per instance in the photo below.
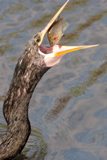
(68, 111)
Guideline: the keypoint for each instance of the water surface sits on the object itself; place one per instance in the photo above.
(68, 110)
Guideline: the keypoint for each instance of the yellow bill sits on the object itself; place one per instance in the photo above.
(67, 49)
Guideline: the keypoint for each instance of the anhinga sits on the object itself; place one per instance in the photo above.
(31, 66)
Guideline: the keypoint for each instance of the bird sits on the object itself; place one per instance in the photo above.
(35, 61)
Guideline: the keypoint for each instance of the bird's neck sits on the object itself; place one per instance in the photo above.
(29, 70)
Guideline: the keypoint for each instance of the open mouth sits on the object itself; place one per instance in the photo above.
(59, 50)
(54, 30)
(45, 49)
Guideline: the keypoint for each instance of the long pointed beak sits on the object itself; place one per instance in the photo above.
(44, 31)
(60, 51)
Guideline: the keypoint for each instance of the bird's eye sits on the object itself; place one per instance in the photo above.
(37, 38)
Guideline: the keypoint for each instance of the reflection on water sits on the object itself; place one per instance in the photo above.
(88, 23)
(77, 91)
(37, 149)
(69, 105)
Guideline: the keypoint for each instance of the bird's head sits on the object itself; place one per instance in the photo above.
(53, 54)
